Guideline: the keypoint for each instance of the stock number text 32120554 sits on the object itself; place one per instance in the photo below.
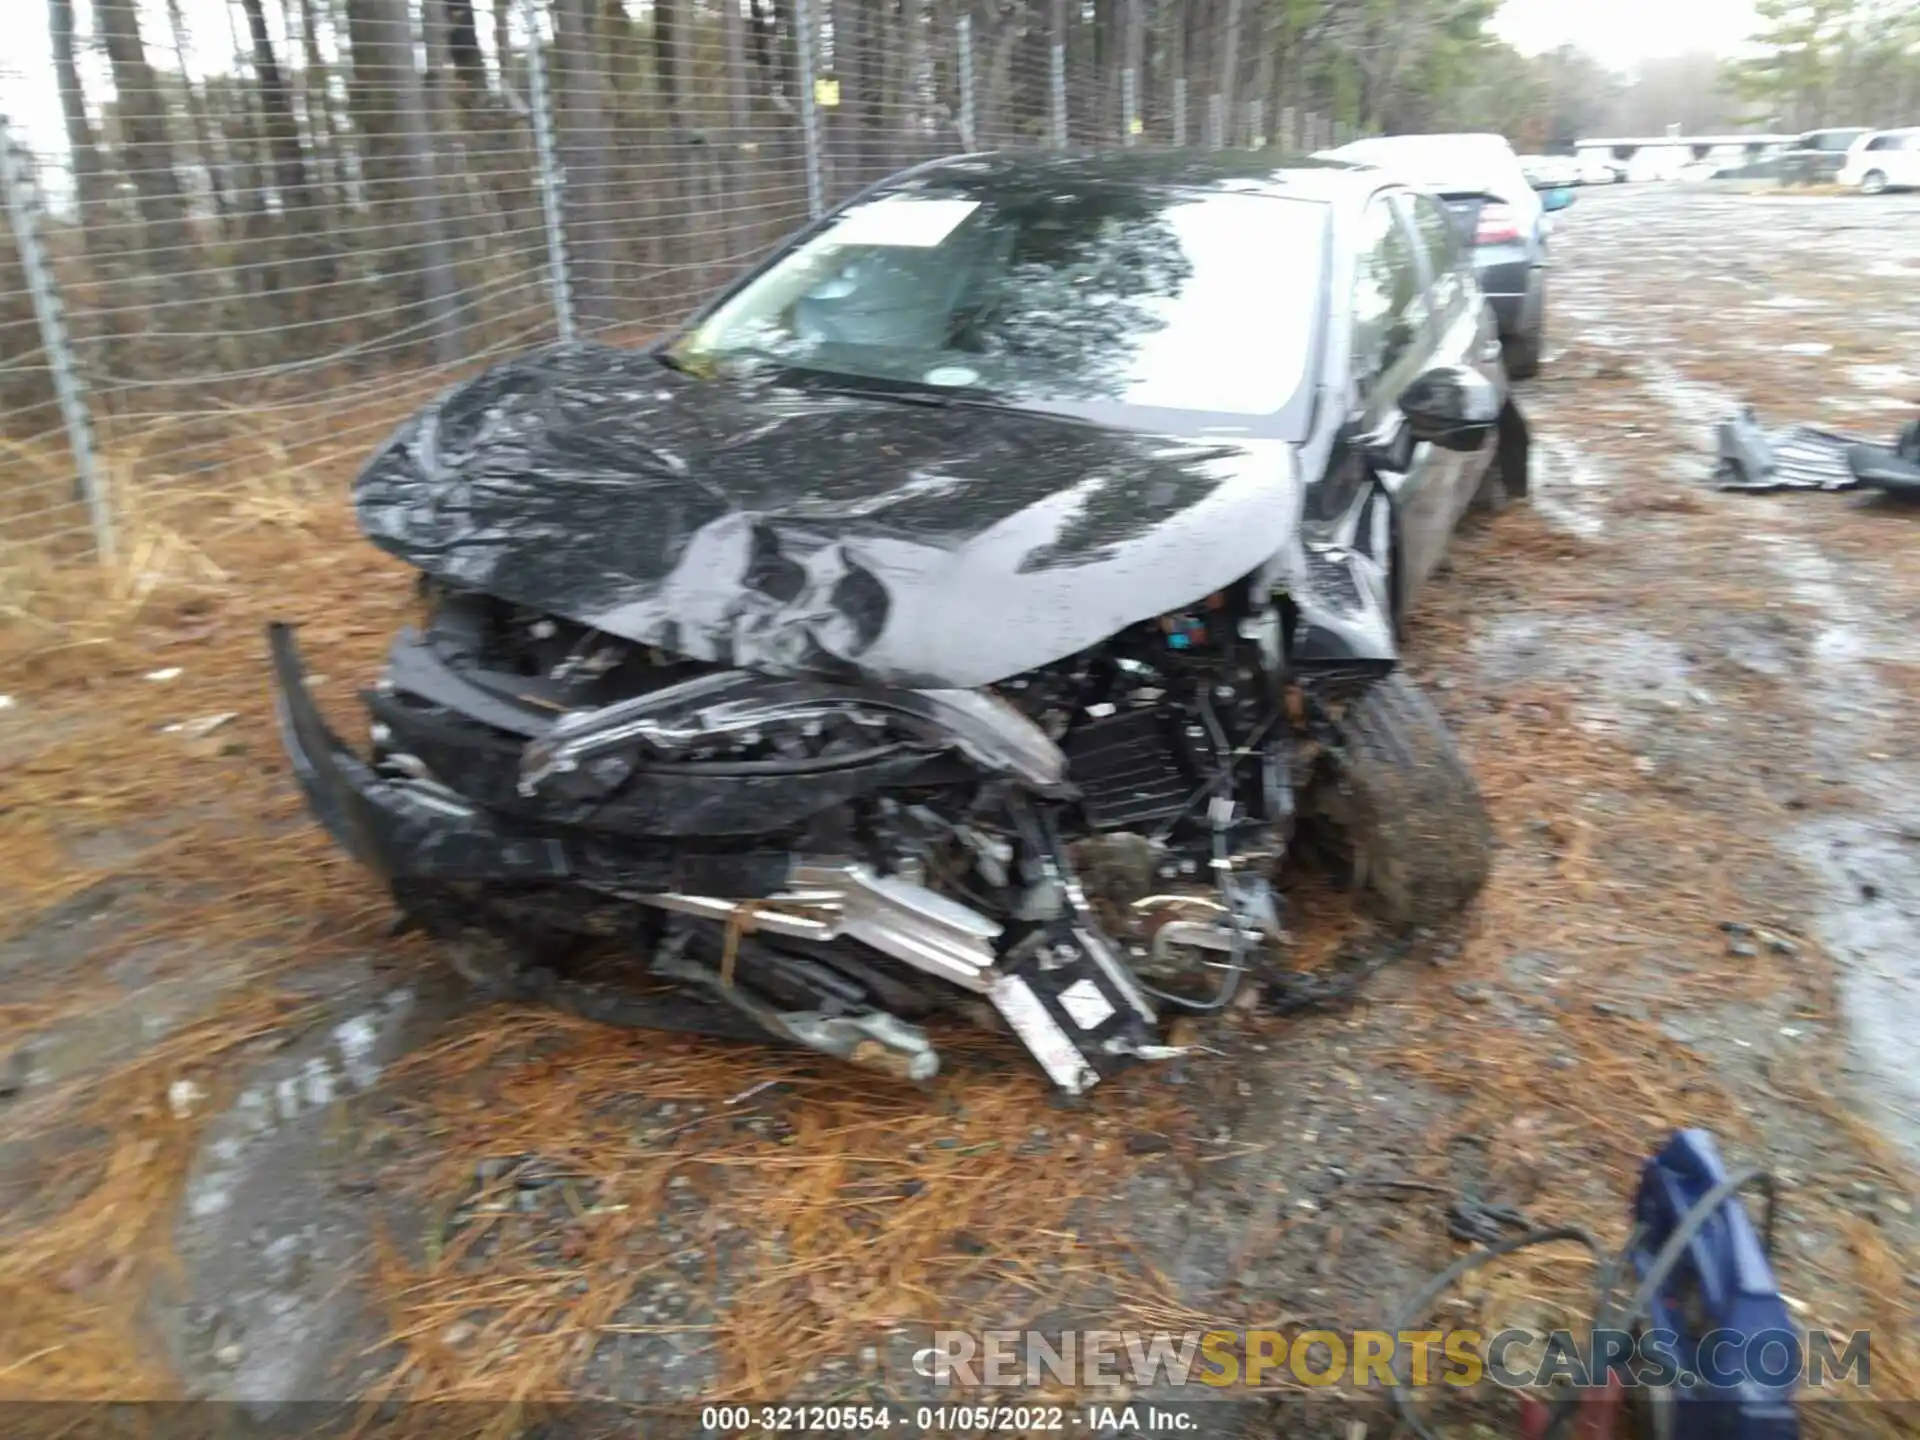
(880, 1419)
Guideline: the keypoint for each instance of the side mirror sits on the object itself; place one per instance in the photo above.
(1558, 198)
(1452, 406)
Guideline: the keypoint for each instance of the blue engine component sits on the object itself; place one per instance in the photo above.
(1184, 632)
(1720, 1305)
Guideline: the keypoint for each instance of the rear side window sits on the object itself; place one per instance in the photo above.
(1389, 306)
(1446, 251)
(1884, 142)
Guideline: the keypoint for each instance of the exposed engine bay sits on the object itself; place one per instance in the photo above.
(1082, 848)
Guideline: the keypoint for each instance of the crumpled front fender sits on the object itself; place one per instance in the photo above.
(1336, 574)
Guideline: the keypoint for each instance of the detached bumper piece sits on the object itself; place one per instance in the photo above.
(798, 944)
(1805, 457)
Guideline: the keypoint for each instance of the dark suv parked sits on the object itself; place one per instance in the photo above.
(1816, 157)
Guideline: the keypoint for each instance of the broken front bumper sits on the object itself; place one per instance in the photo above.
(408, 829)
(1062, 988)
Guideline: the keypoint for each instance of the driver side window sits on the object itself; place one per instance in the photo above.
(1389, 306)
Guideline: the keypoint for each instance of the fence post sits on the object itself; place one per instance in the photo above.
(966, 83)
(1180, 112)
(539, 101)
(1057, 81)
(22, 210)
(809, 112)
(1257, 124)
(1216, 120)
(1289, 131)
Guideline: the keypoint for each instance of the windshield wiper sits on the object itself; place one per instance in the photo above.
(900, 392)
(906, 393)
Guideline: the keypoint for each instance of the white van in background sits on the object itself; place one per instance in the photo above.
(1883, 160)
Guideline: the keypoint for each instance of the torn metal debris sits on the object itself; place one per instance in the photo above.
(1806, 457)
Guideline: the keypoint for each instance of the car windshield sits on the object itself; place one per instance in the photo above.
(1074, 296)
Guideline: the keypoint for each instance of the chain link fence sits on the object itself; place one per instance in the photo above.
(244, 237)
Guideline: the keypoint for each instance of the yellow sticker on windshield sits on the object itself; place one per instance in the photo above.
(826, 92)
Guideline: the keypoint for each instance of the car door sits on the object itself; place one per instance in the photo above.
(1392, 342)
(1464, 333)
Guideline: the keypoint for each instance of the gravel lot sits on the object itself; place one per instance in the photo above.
(1691, 711)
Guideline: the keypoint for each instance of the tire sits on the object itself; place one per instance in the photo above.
(1506, 479)
(1407, 810)
(1874, 182)
(1522, 354)
(1522, 349)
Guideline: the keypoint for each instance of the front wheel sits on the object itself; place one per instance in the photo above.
(1874, 182)
(1522, 349)
(1405, 808)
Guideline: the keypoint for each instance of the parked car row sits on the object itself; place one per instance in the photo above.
(1550, 172)
(1556, 171)
(1546, 172)
(1868, 160)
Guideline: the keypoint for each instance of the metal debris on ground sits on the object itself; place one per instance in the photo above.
(1806, 457)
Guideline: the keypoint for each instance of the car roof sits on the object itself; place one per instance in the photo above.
(1272, 172)
(1445, 161)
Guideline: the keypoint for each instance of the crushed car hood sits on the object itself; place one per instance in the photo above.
(797, 531)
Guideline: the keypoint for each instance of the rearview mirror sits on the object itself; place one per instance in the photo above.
(1452, 406)
(1558, 198)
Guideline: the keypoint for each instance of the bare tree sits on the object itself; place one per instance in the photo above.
(140, 114)
(299, 197)
(402, 202)
(89, 165)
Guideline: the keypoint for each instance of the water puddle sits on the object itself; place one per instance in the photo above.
(1869, 871)
(346, 1064)
(271, 1238)
(1882, 377)
(1568, 487)
(1629, 681)
(1694, 403)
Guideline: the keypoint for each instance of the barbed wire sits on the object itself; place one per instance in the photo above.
(220, 246)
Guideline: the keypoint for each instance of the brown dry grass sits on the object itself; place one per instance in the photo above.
(862, 1209)
(857, 1210)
